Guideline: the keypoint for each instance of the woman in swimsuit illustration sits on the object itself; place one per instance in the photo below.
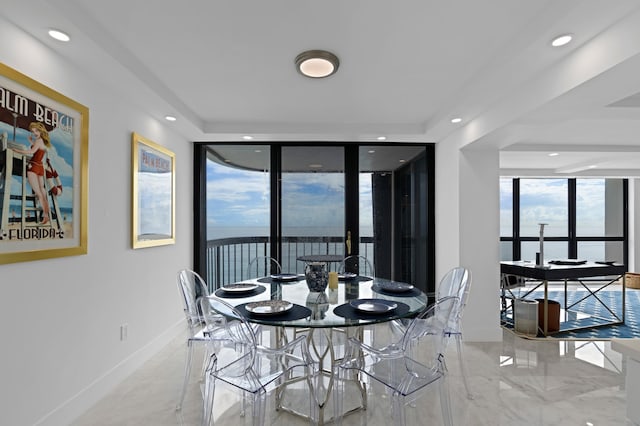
(39, 139)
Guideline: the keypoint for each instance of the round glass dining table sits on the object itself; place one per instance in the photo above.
(323, 316)
(328, 309)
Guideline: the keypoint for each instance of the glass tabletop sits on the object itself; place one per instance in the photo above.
(321, 305)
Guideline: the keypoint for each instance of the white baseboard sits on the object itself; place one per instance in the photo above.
(75, 406)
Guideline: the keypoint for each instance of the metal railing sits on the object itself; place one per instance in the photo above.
(228, 258)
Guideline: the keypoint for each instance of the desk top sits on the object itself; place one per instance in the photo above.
(321, 258)
(559, 272)
(322, 314)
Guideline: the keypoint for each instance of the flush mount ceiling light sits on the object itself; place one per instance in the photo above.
(317, 63)
(456, 120)
(59, 35)
(561, 40)
(170, 118)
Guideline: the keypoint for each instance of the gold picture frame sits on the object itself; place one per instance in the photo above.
(153, 193)
(44, 138)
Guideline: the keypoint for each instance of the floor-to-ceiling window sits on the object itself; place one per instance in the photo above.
(585, 218)
(285, 200)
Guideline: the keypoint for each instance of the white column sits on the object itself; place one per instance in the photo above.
(480, 241)
(468, 232)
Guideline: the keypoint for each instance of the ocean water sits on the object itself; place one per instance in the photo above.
(235, 261)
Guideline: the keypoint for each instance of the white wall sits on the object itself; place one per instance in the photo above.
(60, 318)
(468, 231)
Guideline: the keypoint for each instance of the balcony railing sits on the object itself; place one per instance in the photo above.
(228, 258)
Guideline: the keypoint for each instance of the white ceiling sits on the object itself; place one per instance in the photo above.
(226, 69)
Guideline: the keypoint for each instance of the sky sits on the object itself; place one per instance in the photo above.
(238, 198)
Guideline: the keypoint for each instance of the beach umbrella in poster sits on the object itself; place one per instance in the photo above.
(22, 120)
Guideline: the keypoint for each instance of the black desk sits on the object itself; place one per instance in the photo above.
(321, 258)
(570, 273)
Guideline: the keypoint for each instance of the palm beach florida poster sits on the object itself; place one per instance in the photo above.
(43, 171)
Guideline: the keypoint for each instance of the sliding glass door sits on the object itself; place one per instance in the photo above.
(288, 200)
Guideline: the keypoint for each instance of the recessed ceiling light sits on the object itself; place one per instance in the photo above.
(258, 150)
(315, 166)
(593, 166)
(317, 63)
(456, 120)
(561, 40)
(247, 137)
(371, 151)
(553, 154)
(170, 118)
(59, 35)
(382, 138)
(402, 161)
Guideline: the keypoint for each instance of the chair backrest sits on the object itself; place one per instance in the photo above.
(192, 287)
(262, 266)
(358, 264)
(217, 313)
(509, 281)
(457, 283)
(432, 323)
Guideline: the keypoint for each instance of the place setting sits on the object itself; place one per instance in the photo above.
(371, 309)
(284, 278)
(395, 289)
(351, 277)
(274, 310)
(239, 290)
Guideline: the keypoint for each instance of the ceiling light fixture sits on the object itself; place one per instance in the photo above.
(317, 63)
(561, 40)
(170, 118)
(553, 154)
(382, 138)
(59, 35)
(456, 120)
(247, 138)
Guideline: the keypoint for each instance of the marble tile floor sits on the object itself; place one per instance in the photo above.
(515, 382)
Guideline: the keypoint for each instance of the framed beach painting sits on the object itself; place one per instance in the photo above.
(43, 171)
(153, 193)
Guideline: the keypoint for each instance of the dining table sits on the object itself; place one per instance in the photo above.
(328, 318)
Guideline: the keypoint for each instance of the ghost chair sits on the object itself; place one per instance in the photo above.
(192, 287)
(262, 266)
(254, 370)
(456, 282)
(405, 373)
(358, 264)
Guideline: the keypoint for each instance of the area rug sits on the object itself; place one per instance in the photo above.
(613, 299)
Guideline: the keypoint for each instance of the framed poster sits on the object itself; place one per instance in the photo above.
(43, 171)
(153, 218)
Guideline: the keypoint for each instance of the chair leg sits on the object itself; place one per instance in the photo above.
(445, 402)
(187, 373)
(207, 415)
(463, 366)
(259, 402)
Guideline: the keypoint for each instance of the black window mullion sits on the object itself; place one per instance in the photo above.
(571, 222)
(515, 220)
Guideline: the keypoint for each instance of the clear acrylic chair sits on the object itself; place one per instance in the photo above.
(192, 287)
(456, 282)
(262, 266)
(358, 264)
(404, 372)
(254, 370)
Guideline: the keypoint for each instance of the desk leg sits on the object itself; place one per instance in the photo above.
(545, 310)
